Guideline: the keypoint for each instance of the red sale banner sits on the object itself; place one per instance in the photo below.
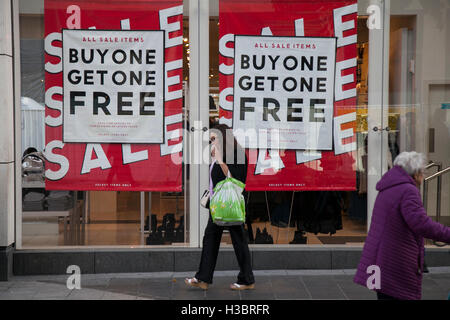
(113, 95)
(290, 66)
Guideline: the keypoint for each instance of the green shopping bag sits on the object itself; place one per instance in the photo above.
(227, 204)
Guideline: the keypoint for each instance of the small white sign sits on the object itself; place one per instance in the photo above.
(113, 86)
(284, 92)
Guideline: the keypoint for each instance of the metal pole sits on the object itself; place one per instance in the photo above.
(425, 183)
(425, 194)
(437, 174)
(438, 195)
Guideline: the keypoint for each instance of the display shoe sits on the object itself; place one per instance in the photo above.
(169, 221)
(181, 225)
(299, 238)
(170, 236)
(237, 286)
(155, 239)
(194, 282)
(179, 236)
(164, 222)
(147, 223)
(154, 223)
(267, 238)
(179, 231)
(259, 238)
(168, 225)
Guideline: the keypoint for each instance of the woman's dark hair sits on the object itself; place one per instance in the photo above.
(224, 133)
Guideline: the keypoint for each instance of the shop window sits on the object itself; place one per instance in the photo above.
(82, 218)
(307, 217)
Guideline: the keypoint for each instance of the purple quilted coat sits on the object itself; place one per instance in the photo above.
(395, 242)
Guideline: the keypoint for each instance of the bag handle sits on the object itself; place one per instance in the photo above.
(228, 176)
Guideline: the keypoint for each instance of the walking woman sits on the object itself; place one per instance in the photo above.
(223, 141)
(395, 242)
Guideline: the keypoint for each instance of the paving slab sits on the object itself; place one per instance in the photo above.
(220, 289)
(100, 284)
(156, 288)
(124, 285)
(182, 292)
(118, 296)
(269, 285)
(323, 287)
(86, 294)
(15, 296)
(289, 287)
(263, 290)
(442, 281)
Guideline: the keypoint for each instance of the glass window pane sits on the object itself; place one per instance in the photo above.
(419, 94)
(86, 218)
(314, 216)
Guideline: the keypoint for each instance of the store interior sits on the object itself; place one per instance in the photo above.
(109, 218)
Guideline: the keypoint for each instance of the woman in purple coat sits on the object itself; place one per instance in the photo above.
(395, 243)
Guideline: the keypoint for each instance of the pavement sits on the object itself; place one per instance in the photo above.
(270, 285)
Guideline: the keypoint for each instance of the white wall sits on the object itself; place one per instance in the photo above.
(7, 194)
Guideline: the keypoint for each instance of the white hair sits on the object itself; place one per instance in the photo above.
(412, 162)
